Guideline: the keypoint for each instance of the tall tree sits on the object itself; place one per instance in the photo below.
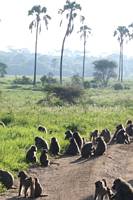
(3, 68)
(84, 31)
(70, 8)
(104, 71)
(39, 14)
(122, 33)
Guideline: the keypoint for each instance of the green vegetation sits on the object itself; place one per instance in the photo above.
(96, 109)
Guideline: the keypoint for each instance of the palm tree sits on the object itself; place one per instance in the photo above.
(122, 33)
(84, 31)
(37, 11)
(70, 9)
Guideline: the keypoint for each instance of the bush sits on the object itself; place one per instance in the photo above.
(23, 80)
(118, 86)
(65, 93)
(86, 84)
(48, 79)
(7, 118)
(76, 80)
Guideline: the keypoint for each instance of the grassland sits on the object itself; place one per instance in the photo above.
(98, 109)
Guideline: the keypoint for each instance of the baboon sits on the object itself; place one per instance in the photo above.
(129, 127)
(2, 124)
(41, 143)
(31, 154)
(38, 188)
(101, 146)
(73, 148)
(101, 190)
(118, 127)
(87, 150)
(124, 191)
(54, 146)
(94, 135)
(122, 137)
(78, 139)
(6, 178)
(44, 158)
(106, 135)
(68, 134)
(26, 182)
(42, 128)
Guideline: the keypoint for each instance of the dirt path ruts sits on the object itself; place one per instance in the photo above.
(74, 178)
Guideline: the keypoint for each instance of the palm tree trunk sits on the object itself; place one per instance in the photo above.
(35, 61)
(83, 73)
(61, 59)
(122, 62)
(119, 73)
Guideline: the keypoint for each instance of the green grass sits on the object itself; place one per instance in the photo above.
(98, 109)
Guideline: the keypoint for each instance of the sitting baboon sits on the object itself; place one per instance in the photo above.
(2, 124)
(106, 135)
(41, 143)
(26, 182)
(118, 127)
(68, 134)
(124, 191)
(38, 188)
(129, 128)
(54, 147)
(122, 137)
(31, 154)
(87, 150)
(42, 128)
(73, 148)
(6, 178)
(101, 190)
(101, 146)
(78, 139)
(44, 158)
(94, 135)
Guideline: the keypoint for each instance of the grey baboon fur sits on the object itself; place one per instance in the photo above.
(101, 146)
(87, 150)
(78, 139)
(73, 148)
(6, 178)
(31, 154)
(54, 146)
(41, 143)
(44, 158)
(106, 135)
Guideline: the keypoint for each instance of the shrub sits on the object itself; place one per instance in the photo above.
(76, 80)
(118, 86)
(7, 118)
(65, 93)
(86, 84)
(48, 79)
(23, 80)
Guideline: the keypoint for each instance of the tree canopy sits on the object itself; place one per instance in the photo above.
(3, 69)
(104, 71)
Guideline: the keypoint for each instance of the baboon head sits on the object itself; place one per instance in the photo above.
(68, 134)
(119, 126)
(129, 122)
(22, 174)
(53, 140)
(33, 148)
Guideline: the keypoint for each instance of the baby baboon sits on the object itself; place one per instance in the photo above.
(101, 190)
(31, 154)
(41, 143)
(94, 135)
(42, 128)
(26, 183)
(124, 191)
(73, 148)
(54, 146)
(68, 134)
(38, 188)
(106, 135)
(101, 146)
(87, 150)
(78, 139)
(6, 178)
(122, 137)
(44, 158)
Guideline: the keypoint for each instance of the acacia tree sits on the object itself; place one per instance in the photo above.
(104, 71)
(39, 14)
(122, 33)
(3, 69)
(84, 31)
(70, 8)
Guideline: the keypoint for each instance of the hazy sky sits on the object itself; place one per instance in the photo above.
(103, 16)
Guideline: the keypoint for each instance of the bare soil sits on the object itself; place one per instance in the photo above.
(74, 178)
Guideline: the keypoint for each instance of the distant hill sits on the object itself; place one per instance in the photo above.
(21, 62)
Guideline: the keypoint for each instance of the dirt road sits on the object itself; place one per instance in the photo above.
(74, 178)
